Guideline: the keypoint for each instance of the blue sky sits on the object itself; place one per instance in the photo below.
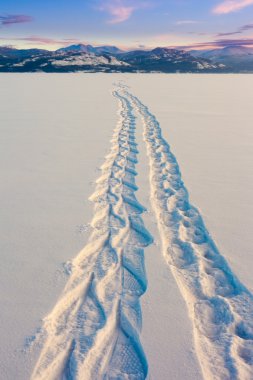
(126, 23)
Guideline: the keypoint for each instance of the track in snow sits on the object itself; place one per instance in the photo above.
(220, 307)
(93, 331)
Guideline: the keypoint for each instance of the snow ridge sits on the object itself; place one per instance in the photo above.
(93, 331)
(220, 307)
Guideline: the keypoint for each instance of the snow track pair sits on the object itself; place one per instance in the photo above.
(94, 330)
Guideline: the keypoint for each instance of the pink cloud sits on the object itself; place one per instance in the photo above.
(121, 14)
(229, 6)
(44, 40)
(40, 40)
(14, 19)
(121, 10)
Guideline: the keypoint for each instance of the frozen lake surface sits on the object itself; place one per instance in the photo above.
(55, 133)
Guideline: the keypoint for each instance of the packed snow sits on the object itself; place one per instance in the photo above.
(173, 194)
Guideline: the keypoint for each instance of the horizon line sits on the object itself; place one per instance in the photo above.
(198, 46)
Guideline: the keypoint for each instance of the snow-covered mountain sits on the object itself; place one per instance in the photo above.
(106, 59)
(86, 59)
(62, 61)
(229, 51)
(239, 58)
(108, 49)
(81, 48)
(168, 60)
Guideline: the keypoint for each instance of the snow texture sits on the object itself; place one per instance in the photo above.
(98, 328)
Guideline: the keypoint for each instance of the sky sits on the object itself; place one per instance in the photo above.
(128, 24)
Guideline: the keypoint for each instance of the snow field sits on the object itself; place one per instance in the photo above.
(220, 307)
(210, 260)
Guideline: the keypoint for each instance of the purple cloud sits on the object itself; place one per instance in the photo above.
(6, 20)
(218, 44)
(236, 42)
(246, 27)
(242, 29)
(228, 34)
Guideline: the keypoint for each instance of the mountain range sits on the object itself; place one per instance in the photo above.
(88, 58)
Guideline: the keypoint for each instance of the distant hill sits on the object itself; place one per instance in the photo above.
(9, 52)
(237, 58)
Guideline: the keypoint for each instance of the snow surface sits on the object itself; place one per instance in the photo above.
(55, 132)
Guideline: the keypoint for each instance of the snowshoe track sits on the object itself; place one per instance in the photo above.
(220, 307)
(93, 331)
